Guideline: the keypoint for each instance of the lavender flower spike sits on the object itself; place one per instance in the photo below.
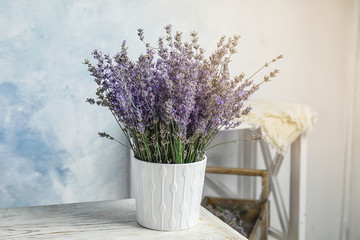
(172, 101)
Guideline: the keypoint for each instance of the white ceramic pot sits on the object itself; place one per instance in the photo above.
(168, 196)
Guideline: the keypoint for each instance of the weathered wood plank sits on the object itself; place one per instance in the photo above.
(99, 220)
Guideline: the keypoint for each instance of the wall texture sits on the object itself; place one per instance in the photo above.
(49, 149)
(353, 231)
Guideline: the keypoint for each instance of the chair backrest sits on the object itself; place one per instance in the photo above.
(245, 172)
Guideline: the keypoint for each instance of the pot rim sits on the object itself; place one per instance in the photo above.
(172, 164)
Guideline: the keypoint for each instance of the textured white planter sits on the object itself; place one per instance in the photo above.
(168, 196)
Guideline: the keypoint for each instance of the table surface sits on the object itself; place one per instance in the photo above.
(100, 220)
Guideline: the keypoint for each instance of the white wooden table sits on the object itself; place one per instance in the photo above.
(108, 220)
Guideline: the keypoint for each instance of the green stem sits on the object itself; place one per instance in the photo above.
(233, 141)
(112, 138)
(122, 129)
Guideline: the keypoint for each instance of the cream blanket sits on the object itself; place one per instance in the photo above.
(280, 123)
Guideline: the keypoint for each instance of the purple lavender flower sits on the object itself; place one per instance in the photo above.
(172, 101)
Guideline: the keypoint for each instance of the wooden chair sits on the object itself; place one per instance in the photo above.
(256, 220)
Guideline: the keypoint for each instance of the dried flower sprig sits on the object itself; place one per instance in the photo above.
(256, 137)
(172, 101)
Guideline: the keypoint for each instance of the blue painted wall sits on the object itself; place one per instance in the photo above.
(49, 148)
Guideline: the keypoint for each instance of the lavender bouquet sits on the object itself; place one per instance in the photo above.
(172, 101)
